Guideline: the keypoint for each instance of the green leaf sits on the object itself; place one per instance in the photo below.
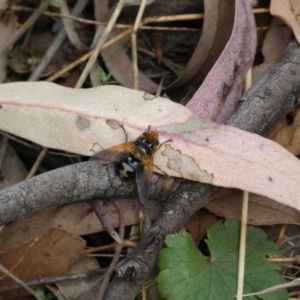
(186, 274)
(101, 74)
(104, 78)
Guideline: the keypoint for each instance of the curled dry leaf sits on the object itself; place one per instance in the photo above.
(217, 27)
(217, 97)
(76, 121)
(275, 42)
(277, 39)
(288, 11)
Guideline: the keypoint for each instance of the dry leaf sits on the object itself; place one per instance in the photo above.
(217, 27)
(217, 97)
(75, 121)
(7, 28)
(277, 39)
(288, 11)
(198, 224)
(51, 254)
(13, 170)
(83, 289)
(68, 217)
(262, 210)
(288, 135)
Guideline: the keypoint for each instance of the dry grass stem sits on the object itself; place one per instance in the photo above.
(100, 44)
(133, 44)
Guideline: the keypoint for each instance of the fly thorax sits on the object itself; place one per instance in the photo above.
(143, 148)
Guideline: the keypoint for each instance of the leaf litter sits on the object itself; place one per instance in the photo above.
(136, 125)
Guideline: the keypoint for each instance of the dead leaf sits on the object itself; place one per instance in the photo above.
(288, 135)
(18, 60)
(75, 121)
(217, 97)
(262, 210)
(198, 224)
(51, 254)
(83, 289)
(260, 70)
(68, 217)
(13, 170)
(288, 11)
(277, 39)
(217, 27)
(7, 28)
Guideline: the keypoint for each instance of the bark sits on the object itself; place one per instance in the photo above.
(75, 183)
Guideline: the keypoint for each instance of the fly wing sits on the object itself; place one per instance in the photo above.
(112, 154)
(143, 179)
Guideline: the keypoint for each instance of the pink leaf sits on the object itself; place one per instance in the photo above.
(217, 97)
(215, 34)
(80, 121)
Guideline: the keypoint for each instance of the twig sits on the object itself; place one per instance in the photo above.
(281, 234)
(295, 260)
(126, 244)
(37, 163)
(133, 43)
(58, 40)
(92, 22)
(159, 19)
(86, 56)
(261, 10)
